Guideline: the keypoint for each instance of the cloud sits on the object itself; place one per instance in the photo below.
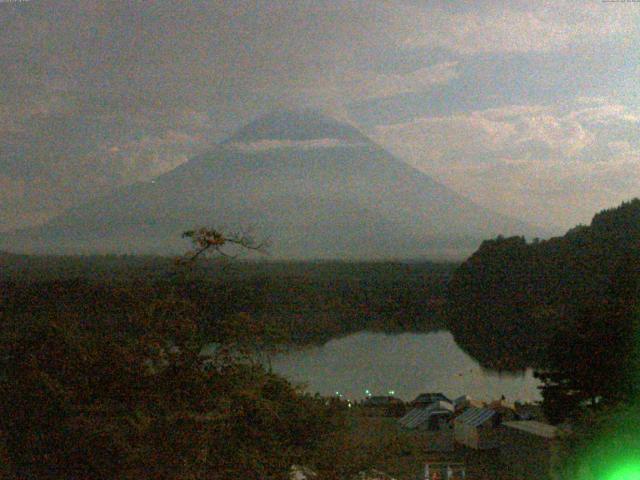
(490, 131)
(558, 167)
(369, 85)
(99, 94)
(60, 160)
(150, 155)
(11, 189)
(334, 94)
(266, 145)
(540, 27)
(606, 113)
(15, 193)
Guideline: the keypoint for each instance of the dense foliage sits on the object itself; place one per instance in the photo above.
(127, 367)
(149, 384)
(591, 360)
(79, 400)
(313, 302)
(508, 301)
(603, 443)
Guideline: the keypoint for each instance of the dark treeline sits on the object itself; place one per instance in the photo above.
(312, 302)
(102, 373)
(505, 304)
(131, 396)
(510, 299)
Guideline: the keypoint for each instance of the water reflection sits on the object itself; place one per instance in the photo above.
(407, 364)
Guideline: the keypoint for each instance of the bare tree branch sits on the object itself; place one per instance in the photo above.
(207, 240)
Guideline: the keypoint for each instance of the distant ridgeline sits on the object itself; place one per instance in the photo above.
(312, 301)
(507, 300)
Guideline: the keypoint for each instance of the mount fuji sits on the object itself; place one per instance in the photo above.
(315, 187)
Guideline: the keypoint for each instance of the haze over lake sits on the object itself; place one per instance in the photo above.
(407, 364)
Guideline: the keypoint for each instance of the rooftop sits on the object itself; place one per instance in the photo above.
(417, 416)
(534, 428)
(431, 397)
(475, 416)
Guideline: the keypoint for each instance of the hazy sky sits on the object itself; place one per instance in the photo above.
(530, 108)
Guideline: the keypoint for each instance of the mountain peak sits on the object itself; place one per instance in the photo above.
(314, 186)
(296, 125)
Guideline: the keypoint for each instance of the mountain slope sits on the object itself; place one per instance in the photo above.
(510, 297)
(315, 187)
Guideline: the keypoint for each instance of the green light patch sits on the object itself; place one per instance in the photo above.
(629, 471)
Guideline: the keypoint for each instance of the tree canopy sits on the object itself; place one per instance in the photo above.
(510, 298)
(81, 400)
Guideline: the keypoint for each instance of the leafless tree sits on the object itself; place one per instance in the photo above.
(211, 240)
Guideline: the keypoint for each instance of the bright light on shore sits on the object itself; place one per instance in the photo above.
(626, 472)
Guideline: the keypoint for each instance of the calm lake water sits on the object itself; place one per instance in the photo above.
(407, 364)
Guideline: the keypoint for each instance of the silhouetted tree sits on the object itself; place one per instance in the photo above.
(593, 358)
(508, 301)
(144, 401)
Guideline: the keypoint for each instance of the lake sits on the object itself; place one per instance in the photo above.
(407, 364)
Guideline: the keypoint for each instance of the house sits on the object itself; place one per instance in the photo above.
(426, 399)
(432, 426)
(477, 428)
(507, 410)
(529, 411)
(525, 448)
(465, 401)
(433, 417)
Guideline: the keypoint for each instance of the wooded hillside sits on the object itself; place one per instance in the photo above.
(506, 301)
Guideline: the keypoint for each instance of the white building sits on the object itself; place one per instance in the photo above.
(432, 426)
(433, 417)
(477, 428)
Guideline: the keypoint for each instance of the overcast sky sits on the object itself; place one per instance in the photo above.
(530, 108)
